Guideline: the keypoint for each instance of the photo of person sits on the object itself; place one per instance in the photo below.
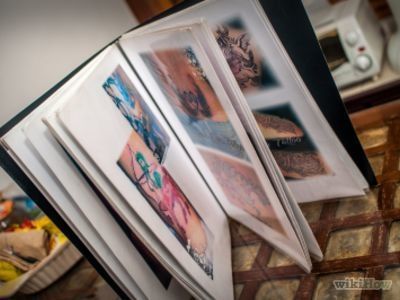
(166, 198)
(244, 57)
(292, 147)
(135, 110)
(194, 101)
(241, 186)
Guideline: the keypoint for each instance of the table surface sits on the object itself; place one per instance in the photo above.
(359, 237)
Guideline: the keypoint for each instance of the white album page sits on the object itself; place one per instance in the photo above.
(309, 154)
(185, 86)
(114, 121)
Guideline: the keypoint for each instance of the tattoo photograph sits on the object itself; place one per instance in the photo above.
(194, 101)
(241, 186)
(136, 112)
(169, 202)
(243, 56)
(293, 149)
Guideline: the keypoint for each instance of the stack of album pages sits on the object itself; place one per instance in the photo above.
(175, 128)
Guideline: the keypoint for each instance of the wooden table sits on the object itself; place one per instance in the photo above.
(359, 237)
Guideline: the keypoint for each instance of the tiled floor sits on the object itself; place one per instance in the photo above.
(359, 237)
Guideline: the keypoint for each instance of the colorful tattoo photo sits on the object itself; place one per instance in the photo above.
(137, 113)
(243, 56)
(188, 91)
(242, 186)
(186, 87)
(291, 145)
(166, 198)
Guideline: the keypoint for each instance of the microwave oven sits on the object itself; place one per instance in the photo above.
(351, 40)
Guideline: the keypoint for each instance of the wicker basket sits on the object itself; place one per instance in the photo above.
(59, 261)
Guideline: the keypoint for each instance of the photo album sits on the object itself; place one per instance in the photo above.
(151, 147)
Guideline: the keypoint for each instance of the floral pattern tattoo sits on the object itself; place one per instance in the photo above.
(239, 56)
(250, 68)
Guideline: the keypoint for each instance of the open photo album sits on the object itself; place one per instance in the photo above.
(178, 126)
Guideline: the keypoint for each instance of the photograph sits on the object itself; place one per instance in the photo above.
(169, 202)
(243, 55)
(241, 186)
(291, 145)
(194, 101)
(127, 99)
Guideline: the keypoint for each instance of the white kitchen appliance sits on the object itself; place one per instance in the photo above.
(350, 37)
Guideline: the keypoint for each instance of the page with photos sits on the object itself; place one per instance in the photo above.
(126, 213)
(116, 124)
(120, 206)
(206, 38)
(54, 174)
(187, 90)
(307, 151)
(74, 182)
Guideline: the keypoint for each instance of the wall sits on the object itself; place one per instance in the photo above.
(381, 7)
(43, 40)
